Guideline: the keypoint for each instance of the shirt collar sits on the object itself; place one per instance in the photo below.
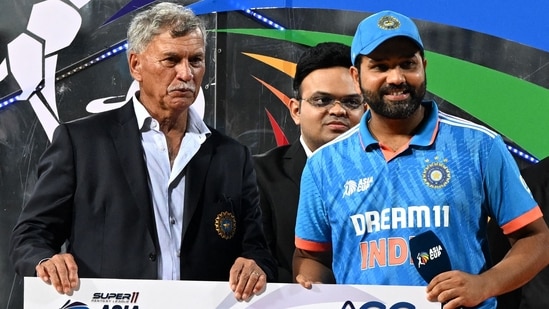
(308, 151)
(425, 135)
(141, 112)
(195, 123)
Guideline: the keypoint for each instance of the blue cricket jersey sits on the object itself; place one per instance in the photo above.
(365, 204)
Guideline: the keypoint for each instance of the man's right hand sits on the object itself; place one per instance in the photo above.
(311, 267)
(60, 271)
(306, 283)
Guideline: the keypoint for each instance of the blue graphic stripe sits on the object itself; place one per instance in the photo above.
(520, 21)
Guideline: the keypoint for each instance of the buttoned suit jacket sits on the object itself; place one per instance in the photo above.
(279, 176)
(92, 194)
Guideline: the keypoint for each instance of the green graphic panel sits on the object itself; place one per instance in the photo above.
(515, 108)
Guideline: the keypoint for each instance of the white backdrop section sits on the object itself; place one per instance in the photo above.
(109, 103)
(154, 294)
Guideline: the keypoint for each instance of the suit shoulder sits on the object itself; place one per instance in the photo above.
(97, 118)
(274, 154)
(222, 137)
(537, 173)
(221, 140)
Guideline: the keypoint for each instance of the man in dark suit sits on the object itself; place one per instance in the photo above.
(144, 191)
(326, 104)
(532, 295)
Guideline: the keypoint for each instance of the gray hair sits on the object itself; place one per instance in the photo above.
(164, 16)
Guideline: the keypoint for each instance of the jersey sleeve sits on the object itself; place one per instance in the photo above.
(510, 200)
(312, 230)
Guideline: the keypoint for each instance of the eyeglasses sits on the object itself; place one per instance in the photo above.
(325, 101)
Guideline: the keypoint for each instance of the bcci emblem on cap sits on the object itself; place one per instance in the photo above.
(388, 23)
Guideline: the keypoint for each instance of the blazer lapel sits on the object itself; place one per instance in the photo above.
(195, 174)
(294, 161)
(127, 142)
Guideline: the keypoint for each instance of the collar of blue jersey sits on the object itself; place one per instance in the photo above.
(424, 137)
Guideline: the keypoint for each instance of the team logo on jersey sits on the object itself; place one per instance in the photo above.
(225, 225)
(352, 186)
(349, 187)
(436, 175)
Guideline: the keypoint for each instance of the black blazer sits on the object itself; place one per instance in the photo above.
(534, 293)
(92, 193)
(279, 176)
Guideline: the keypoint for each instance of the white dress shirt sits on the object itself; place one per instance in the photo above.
(167, 184)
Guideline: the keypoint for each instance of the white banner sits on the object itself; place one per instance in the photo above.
(156, 294)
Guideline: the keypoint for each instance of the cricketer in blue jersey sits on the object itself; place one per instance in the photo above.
(408, 168)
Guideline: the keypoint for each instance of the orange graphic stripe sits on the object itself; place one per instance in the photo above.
(283, 66)
(279, 94)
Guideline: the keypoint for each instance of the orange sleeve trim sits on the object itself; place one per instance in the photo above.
(312, 245)
(518, 223)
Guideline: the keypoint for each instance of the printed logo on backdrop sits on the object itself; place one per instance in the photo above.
(74, 305)
(108, 300)
(110, 297)
(378, 305)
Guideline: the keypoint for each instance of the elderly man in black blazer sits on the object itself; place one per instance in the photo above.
(325, 105)
(144, 191)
